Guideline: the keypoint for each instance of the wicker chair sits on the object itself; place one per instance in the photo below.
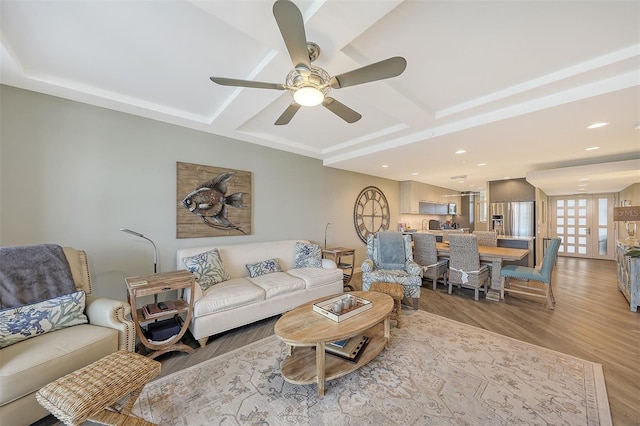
(464, 264)
(542, 275)
(426, 255)
(405, 271)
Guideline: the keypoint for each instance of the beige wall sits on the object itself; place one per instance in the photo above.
(74, 174)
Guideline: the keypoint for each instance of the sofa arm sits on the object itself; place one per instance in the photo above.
(329, 264)
(113, 314)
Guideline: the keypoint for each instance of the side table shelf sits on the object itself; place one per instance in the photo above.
(345, 259)
(148, 285)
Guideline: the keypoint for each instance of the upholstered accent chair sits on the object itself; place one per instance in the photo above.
(390, 260)
(426, 255)
(542, 275)
(464, 264)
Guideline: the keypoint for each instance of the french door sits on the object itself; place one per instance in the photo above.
(585, 224)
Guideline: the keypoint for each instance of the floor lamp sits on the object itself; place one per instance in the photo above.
(155, 254)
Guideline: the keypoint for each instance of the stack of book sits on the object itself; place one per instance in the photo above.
(349, 349)
(152, 310)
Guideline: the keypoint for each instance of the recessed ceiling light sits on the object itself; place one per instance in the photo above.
(596, 125)
(583, 184)
(384, 166)
(637, 126)
(592, 148)
(482, 164)
(414, 174)
(460, 181)
(507, 177)
(584, 179)
(460, 151)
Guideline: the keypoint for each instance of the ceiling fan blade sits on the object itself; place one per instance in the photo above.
(291, 26)
(341, 110)
(380, 70)
(288, 114)
(246, 83)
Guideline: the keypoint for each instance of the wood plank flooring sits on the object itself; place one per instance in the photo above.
(591, 321)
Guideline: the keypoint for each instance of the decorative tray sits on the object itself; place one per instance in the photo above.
(325, 308)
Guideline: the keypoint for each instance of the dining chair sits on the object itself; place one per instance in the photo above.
(541, 275)
(390, 260)
(487, 239)
(426, 255)
(447, 232)
(464, 264)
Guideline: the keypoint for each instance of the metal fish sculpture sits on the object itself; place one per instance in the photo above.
(210, 202)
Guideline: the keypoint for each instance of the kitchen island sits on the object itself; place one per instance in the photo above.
(527, 243)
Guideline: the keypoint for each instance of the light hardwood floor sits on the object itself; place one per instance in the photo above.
(591, 321)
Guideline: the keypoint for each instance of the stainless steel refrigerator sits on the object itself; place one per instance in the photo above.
(516, 219)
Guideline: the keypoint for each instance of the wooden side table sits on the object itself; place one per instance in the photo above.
(337, 254)
(148, 285)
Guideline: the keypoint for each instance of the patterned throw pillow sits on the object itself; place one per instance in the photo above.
(208, 268)
(24, 322)
(263, 268)
(308, 256)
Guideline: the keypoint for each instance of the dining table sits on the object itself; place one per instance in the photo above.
(495, 255)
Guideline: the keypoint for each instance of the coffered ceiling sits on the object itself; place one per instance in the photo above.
(513, 83)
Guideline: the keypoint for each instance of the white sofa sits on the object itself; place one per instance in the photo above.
(242, 300)
(28, 365)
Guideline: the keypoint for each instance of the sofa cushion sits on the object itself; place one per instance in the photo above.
(308, 256)
(228, 295)
(278, 283)
(317, 277)
(208, 267)
(25, 322)
(31, 364)
(263, 267)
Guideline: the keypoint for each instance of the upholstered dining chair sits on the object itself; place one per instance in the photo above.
(464, 264)
(390, 260)
(426, 255)
(488, 239)
(542, 275)
(447, 232)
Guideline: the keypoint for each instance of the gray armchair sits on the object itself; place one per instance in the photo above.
(390, 260)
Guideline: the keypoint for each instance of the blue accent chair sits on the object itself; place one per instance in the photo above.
(542, 275)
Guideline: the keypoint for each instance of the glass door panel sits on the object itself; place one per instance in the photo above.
(584, 222)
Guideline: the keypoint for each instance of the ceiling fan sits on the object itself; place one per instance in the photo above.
(309, 84)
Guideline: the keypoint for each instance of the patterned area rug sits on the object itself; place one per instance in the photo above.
(437, 372)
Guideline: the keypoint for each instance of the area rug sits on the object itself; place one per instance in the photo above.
(436, 372)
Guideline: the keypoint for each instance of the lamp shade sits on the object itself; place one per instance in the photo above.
(308, 96)
(626, 214)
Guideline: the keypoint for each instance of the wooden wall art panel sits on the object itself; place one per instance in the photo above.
(212, 201)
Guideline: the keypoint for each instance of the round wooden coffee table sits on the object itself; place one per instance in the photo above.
(309, 332)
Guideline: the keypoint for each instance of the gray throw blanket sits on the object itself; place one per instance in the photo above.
(391, 245)
(30, 274)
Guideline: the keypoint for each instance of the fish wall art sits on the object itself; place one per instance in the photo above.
(212, 201)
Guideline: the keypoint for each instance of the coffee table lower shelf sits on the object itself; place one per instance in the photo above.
(300, 367)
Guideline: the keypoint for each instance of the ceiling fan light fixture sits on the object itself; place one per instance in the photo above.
(308, 96)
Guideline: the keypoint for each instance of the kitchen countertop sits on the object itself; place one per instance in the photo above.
(514, 237)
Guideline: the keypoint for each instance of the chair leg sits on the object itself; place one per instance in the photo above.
(477, 296)
(449, 287)
(416, 303)
(551, 302)
(435, 284)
